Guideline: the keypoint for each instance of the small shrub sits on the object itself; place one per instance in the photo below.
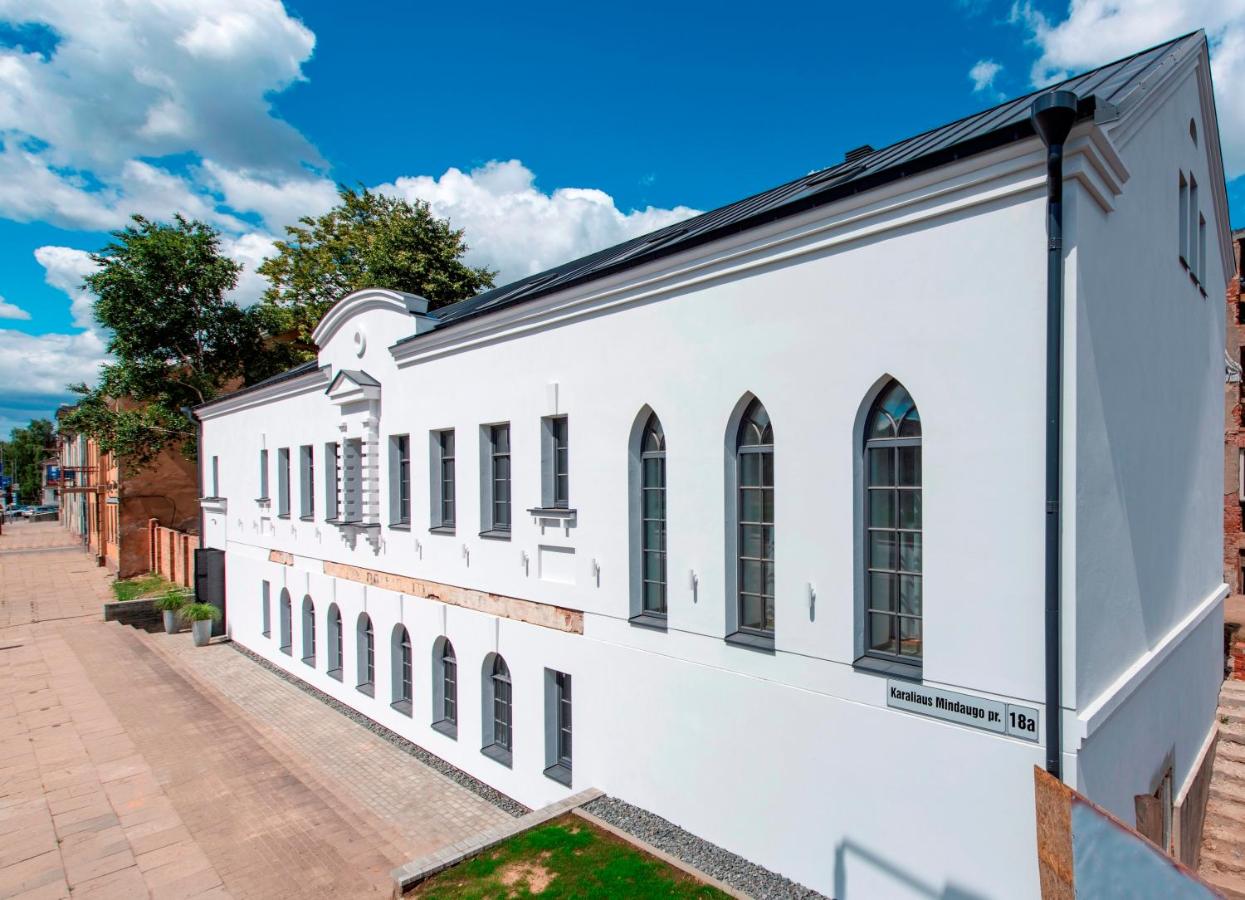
(172, 600)
(200, 612)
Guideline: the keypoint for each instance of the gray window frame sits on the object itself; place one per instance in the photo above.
(559, 739)
(754, 415)
(445, 687)
(649, 514)
(400, 481)
(332, 480)
(266, 607)
(365, 655)
(402, 666)
(897, 662)
(352, 496)
(285, 613)
(492, 461)
(555, 462)
(309, 631)
(263, 477)
(442, 479)
(498, 710)
(283, 482)
(335, 642)
(306, 482)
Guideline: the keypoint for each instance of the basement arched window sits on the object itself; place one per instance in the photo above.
(309, 632)
(400, 660)
(365, 654)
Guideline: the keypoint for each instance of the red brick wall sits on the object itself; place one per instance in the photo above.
(1233, 443)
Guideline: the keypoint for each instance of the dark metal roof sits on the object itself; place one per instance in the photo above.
(862, 169)
(301, 369)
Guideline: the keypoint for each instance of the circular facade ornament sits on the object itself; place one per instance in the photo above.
(360, 342)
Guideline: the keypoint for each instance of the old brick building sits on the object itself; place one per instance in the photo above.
(1234, 458)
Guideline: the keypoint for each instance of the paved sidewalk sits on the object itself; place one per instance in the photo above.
(133, 766)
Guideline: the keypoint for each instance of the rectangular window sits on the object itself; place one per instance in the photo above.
(263, 475)
(215, 476)
(1192, 226)
(283, 482)
(266, 609)
(352, 480)
(306, 482)
(555, 464)
(331, 480)
(1183, 224)
(1201, 245)
(443, 478)
(499, 477)
(558, 726)
(400, 480)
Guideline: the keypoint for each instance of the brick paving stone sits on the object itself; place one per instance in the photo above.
(132, 767)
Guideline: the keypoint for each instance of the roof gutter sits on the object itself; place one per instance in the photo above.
(1053, 115)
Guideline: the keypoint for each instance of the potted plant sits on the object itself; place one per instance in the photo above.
(171, 604)
(201, 617)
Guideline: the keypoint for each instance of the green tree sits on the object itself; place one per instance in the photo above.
(367, 240)
(177, 340)
(24, 453)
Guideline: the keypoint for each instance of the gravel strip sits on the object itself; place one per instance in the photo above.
(711, 859)
(458, 776)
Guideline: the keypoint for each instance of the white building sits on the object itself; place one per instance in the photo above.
(665, 474)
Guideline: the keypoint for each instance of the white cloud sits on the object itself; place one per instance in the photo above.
(514, 227)
(249, 250)
(12, 310)
(279, 200)
(64, 268)
(1097, 31)
(178, 76)
(982, 74)
(35, 368)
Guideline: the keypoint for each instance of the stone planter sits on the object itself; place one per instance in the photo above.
(172, 621)
(201, 632)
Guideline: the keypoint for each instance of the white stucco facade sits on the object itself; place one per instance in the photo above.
(791, 756)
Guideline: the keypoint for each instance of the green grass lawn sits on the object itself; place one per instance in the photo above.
(561, 859)
(142, 586)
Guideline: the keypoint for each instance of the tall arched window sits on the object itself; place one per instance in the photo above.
(309, 632)
(754, 475)
(445, 681)
(892, 512)
(365, 654)
(498, 714)
(653, 518)
(286, 614)
(400, 660)
(335, 641)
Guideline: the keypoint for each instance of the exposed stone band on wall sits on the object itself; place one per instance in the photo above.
(529, 611)
(281, 557)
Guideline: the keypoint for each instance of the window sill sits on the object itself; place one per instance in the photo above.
(553, 512)
(399, 526)
(560, 773)
(309, 661)
(495, 535)
(286, 650)
(335, 674)
(402, 706)
(366, 688)
(264, 501)
(266, 634)
(498, 753)
(310, 518)
(651, 621)
(447, 728)
(342, 523)
(763, 643)
(283, 515)
(441, 529)
(891, 668)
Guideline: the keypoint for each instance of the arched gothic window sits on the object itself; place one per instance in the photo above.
(653, 518)
(754, 475)
(892, 533)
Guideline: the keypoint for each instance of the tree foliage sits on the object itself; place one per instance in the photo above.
(176, 338)
(367, 240)
(24, 453)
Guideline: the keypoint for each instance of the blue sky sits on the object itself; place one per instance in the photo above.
(545, 130)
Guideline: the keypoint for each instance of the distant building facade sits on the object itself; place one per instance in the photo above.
(110, 506)
(746, 525)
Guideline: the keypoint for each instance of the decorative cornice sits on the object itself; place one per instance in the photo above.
(362, 301)
(291, 387)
